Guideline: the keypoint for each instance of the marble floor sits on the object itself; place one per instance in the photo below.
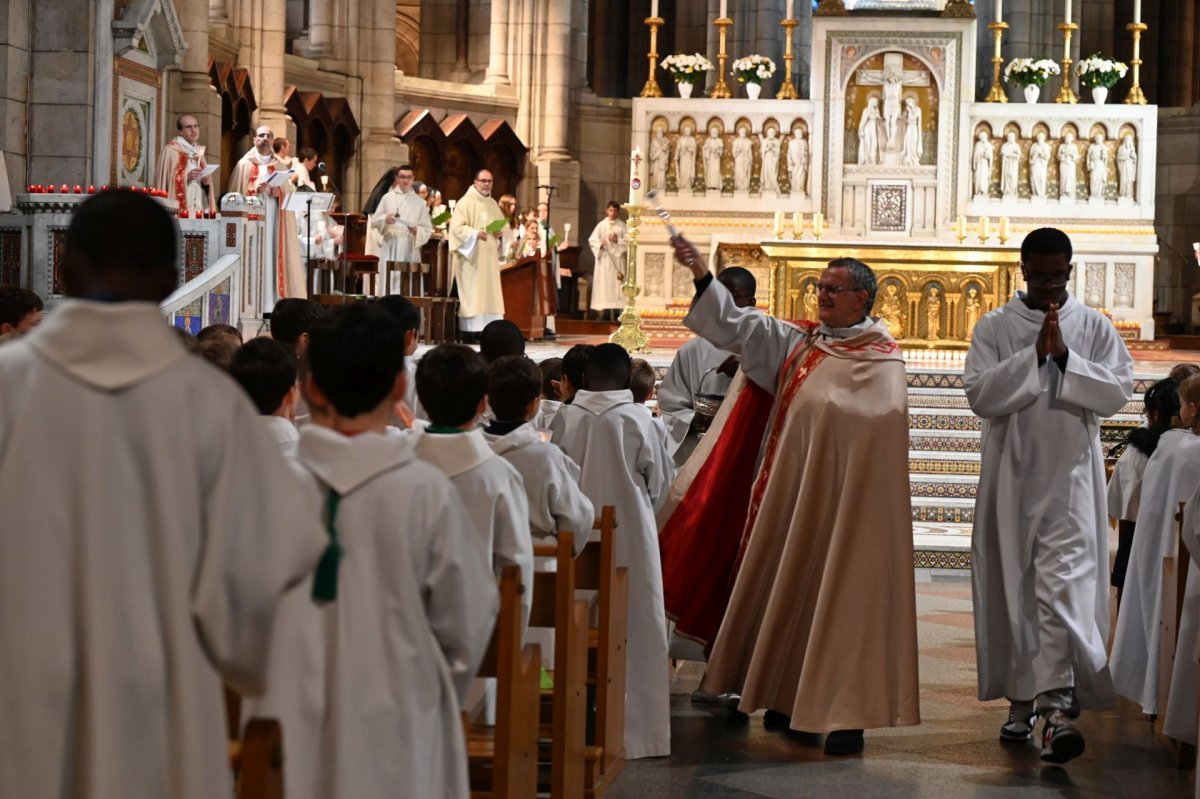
(953, 753)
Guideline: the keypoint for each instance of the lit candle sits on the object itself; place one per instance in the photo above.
(635, 177)
(1067, 13)
(566, 233)
(791, 10)
(985, 229)
(797, 224)
(960, 228)
(1137, 11)
(653, 8)
(724, 9)
(999, 5)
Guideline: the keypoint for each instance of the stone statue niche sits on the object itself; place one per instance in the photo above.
(891, 113)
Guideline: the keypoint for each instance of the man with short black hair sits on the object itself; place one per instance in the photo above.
(408, 315)
(266, 370)
(20, 310)
(475, 252)
(500, 338)
(173, 535)
(402, 221)
(292, 319)
(1042, 371)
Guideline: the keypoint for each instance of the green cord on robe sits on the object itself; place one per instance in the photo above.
(325, 583)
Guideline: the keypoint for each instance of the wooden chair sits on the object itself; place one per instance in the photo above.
(255, 756)
(503, 759)
(596, 569)
(563, 732)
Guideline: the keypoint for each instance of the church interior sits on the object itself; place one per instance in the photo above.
(899, 132)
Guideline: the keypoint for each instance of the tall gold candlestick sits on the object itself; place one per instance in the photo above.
(629, 335)
(1136, 96)
(788, 90)
(997, 95)
(722, 88)
(1065, 93)
(652, 89)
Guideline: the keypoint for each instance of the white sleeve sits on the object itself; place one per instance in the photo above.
(1100, 380)
(998, 386)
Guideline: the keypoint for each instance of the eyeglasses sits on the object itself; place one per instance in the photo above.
(1043, 281)
(826, 288)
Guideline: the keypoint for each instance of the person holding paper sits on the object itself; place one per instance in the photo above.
(182, 171)
(261, 174)
(402, 221)
(475, 221)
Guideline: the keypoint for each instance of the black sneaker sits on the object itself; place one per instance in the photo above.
(1022, 718)
(1061, 740)
(844, 742)
(774, 720)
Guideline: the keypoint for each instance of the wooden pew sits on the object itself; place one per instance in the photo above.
(596, 570)
(503, 759)
(564, 707)
(256, 756)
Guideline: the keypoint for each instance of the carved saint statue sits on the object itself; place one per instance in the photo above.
(893, 84)
(971, 310)
(933, 314)
(743, 160)
(868, 133)
(1097, 166)
(685, 159)
(1068, 157)
(812, 308)
(1010, 165)
(660, 151)
(712, 151)
(1126, 167)
(797, 163)
(913, 146)
(981, 162)
(770, 161)
(891, 311)
(1039, 164)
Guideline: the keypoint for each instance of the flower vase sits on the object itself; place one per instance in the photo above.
(685, 88)
(1031, 93)
(1099, 95)
(753, 89)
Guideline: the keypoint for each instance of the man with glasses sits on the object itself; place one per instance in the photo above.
(1042, 371)
(402, 221)
(802, 505)
(476, 257)
(180, 168)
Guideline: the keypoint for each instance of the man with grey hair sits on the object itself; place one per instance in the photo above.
(772, 503)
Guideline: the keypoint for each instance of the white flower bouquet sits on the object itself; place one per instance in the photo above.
(685, 68)
(1099, 70)
(753, 69)
(1030, 71)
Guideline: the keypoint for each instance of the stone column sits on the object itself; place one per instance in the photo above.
(268, 88)
(218, 13)
(556, 74)
(320, 35)
(379, 148)
(14, 90)
(802, 48)
(497, 71)
(195, 94)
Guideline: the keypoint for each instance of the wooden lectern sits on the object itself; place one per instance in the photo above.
(529, 294)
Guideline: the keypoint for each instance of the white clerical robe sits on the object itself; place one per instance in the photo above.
(475, 261)
(1125, 485)
(610, 264)
(283, 270)
(692, 362)
(283, 432)
(493, 496)
(1179, 720)
(318, 240)
(398, 244)
(1040, 541)
(179, 157)
(1171, 476)
(143, 563)
(368, 687)
(624, 464)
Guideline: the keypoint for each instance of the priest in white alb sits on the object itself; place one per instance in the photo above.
(180, 168)
(1042, 371)
(281, 238)
(609, 248)
(402, 221)
(475, 256)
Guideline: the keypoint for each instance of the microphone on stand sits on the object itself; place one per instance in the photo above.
(321, 166)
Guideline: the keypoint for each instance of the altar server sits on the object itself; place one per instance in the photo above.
(373, 655)
(402, 221)
(149, 532)
(1172, 476)
(1042, 371)
(266, 371)
(1179, 716)
(625, 465)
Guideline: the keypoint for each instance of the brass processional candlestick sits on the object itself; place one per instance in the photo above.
(629, 335)
(652, 89)
(997, 95)
(721, 90)
(1136, 96)
(1065, 93)
(788, 90)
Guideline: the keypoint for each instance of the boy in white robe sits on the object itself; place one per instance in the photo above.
(1172, 476)
(266, 371)
(552, 374)
(452, 385)
(1041, 372)
(624, 464)
(641, 384)
(150, 532)
(408, 315)
(373, 655)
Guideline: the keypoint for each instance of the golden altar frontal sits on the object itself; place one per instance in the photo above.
(930, 296)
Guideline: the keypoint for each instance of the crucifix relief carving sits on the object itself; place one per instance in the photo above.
(894, 79)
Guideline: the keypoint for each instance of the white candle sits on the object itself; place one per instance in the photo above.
(1067, 13)
(778, 226)
(960, 227)
(985, 229)
(999, 6)
(724, 9)
(635, 177)
(818, 223)
(1004, 228)
(791, 10)
(1137, 10)
(797, 224)
(654, 8)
